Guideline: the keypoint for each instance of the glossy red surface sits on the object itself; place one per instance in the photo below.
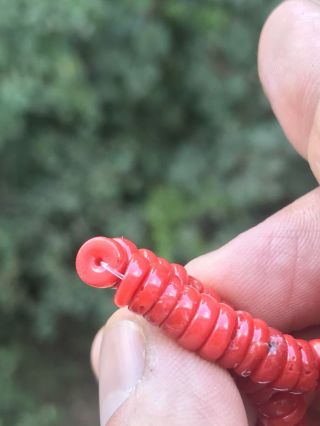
(292, 369)
(90, 255)
(315, 345)
(292, 406)
(180, 272)
(257, 350)
(212, 292)
(149, 291)
(279, 405)
(240, 341)
(283, 409)
(149, 255)
(166, 302)
(193, 282)
(309, 375)
(275, 369)
(182, 313)
(165, 263)
(219, 338)
(137, 269)
(128, 245)
(201, 324)
(274, 362)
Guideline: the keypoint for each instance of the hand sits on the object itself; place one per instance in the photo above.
(272, 270)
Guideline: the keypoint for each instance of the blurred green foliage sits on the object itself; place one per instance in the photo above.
(142, 118)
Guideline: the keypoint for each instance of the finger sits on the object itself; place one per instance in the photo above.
(95, 352)
(289, 68)
(147, 378)
(272, 270)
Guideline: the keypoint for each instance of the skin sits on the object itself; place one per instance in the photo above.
(269, 267)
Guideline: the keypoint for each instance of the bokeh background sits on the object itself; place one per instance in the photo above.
(142, 118)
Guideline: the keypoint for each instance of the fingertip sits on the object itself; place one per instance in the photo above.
(314, 145)
(289, 67)
(95, 352)
(175, 384)
(121, 366)
(271, 270)
(119, 315)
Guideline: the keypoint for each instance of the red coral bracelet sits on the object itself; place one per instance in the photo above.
(274, 369)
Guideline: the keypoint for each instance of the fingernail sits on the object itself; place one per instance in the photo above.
(314, 145)
(95, 352)
(122, 359)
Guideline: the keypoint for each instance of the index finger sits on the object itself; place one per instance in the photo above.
(272, 270)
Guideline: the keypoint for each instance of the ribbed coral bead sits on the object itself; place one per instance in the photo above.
(283, 410)
(150, 289)
(137, 269)
(239, 344)
(198, 330)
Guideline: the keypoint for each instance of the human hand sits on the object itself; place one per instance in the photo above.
(272, 270)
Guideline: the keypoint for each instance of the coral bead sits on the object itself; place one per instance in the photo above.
(182, 313)
(257, 350)
(180, 272)
(137, 269)
(292, 370)
(90, 255)
(193, 282)
(199, 328)
(148, 293)
(128, 245)
(309, 373)
(283, 410)
(240, 342)
(166, 302)
(147, 254)
(220, 336)
(273, 363)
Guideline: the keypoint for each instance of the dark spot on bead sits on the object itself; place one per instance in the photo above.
(273, 345)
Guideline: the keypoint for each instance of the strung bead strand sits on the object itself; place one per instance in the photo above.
(274, 369)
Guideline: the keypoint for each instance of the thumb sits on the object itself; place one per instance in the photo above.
(146, 379)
